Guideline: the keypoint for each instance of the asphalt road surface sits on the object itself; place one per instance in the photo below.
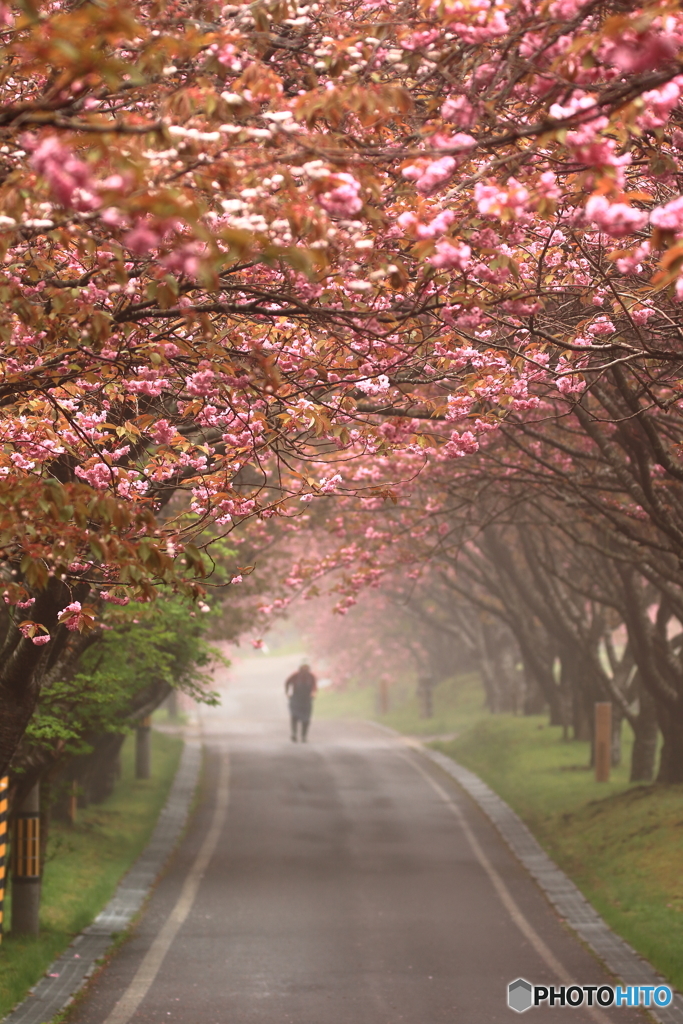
(346, 881)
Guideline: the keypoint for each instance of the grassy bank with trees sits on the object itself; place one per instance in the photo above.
(621, 843)
(85, 862)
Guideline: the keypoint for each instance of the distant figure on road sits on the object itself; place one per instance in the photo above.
(301, 688)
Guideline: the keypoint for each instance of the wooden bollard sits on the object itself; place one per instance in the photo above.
(73, 802)
(603, 741)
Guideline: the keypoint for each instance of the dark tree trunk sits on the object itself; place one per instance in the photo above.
(488, 680)
(646, 733)
(671, 760)
(19, 689)
(23, 665)
(617, 721)
(96, 773)
(172, 705)
(534, 700)
(425, 698)
(509, 676)
(582, 724)
(143, 740)
(541, 678)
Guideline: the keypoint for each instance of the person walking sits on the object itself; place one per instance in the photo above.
(301, 687)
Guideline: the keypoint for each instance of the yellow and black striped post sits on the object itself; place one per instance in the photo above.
(26, 865)
(4, 784)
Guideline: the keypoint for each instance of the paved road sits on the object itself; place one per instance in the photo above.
(333, 883)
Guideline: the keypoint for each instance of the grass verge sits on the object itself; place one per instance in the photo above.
(621, 844)
(84, 864)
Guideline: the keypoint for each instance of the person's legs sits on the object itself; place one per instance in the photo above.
(305, 722)
(294, 722)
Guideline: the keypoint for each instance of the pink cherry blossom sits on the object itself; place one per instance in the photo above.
(668, 217)
(163, 432)
(142, 239)
(616, 219)
(451, 257)
(461, 444)
(68, 177)
(429, 176)
(494, 201)
(344, 200)
(459, 110)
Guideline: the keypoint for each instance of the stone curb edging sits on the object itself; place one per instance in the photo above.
(69, 972)
(572, 906)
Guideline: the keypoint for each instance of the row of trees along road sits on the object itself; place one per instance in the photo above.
(565, 529)
(259, 254)
(127, 666)
(534, 551)
(134, 659)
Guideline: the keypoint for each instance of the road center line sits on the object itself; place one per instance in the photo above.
(506, 898)
(154, 957)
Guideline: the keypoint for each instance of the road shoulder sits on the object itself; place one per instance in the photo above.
(570, 904)
(70, 971)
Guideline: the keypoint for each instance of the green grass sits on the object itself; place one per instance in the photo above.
(162, 716)
(622, 844)
(84, 865)
(528, 763)
(457, 704)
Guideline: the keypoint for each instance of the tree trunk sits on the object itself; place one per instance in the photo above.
(617, 721)
(106, 767)
(538, 670)
(646, 732)
(95, 773)
(534, 699)
(18, 697)
(172, 705)
(581, 718)
(489, 684)
(509, 679)
(23, 665)
(671, 760)
(425, 693)
(143, 761)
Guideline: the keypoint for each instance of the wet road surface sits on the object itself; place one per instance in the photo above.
(336, 882)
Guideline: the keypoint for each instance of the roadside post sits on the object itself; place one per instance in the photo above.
(143, 768)
(603, 740)
(4, 785)
(73, 802)
(26, 866)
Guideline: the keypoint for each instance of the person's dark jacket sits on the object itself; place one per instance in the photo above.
(300, 688)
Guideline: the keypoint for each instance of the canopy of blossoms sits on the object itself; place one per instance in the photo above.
(248, 247)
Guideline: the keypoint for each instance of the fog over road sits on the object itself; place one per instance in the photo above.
(340, 885)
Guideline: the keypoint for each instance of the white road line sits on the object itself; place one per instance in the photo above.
(154, 957)
(506, 898)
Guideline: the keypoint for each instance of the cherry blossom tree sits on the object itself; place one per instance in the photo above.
(248, 247)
